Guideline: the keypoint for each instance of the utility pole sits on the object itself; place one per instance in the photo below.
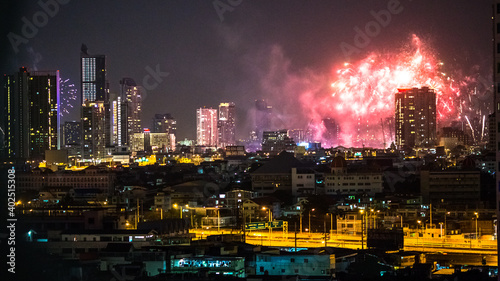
(324, 230)
(430, 207)
(137, 216)
(301, 221)
(295, 236)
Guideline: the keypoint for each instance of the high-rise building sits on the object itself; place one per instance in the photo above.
(263, 113)
(206, 127)
(274, 142)
(415, 117)
(165, 123)
(298, 135)
(131, 94)
(94, 84)
(119, 128)
(94, 131)
(96, 109)
(31, 116)
(491, 132)
(227, 124)
(331, 132)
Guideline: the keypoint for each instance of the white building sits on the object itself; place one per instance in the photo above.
(340, 181)
(303, 181)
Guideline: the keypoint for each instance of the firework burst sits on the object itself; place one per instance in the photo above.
(68, 96)
(362, 97)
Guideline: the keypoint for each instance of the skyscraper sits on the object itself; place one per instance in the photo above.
(274, 142)
(206, 127)
(119, 128)
(96, 110)
(226, 124)
(415, 117)
(31, 118)
(331, 132)
(94, 131)
(93, 77)
(263, 113)
(131, 94)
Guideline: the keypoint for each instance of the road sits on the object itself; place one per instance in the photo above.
(444, 246)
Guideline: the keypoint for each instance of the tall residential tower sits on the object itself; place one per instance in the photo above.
(206, 127)
(96, 113)
(31, 116)
(415, 117)
(226, 124)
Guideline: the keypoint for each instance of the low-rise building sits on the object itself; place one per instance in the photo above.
(91, 177)
(346, 182)
(306, 263)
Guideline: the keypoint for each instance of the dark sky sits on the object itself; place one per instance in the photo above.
(212, 59)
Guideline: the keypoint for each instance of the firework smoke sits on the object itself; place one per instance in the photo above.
(361, 97)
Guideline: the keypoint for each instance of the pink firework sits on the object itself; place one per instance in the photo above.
(362, 101)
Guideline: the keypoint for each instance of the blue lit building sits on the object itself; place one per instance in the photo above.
(231, 266)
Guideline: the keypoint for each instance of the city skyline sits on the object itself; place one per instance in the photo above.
(229, 66)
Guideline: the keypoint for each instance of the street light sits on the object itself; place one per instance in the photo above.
(362, 212)
(310, 229)
(445, 215)
(178, 206)
(418, 230)
(477, 217)
(331, 221)
(270, 220)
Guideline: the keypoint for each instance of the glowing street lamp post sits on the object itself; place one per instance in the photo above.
(362, 212)
(270, 220)
(477, 217)
(310, 230)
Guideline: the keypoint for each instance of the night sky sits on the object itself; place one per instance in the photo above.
(212, 59)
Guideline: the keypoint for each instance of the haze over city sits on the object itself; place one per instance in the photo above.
(286, 52)
(250, 140)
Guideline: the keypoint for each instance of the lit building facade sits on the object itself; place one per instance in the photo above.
(227, 124)
(343, 182)
(274, 142)
(96, 109)
(165, 123)
(91, 177)
(415, 117)
(150, 142)
(93, 131)
(31, 114)
(206, 127)
(93, 77)
(132, 96)
(119, 130)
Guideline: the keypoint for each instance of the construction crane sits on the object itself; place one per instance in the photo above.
(383, 133)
